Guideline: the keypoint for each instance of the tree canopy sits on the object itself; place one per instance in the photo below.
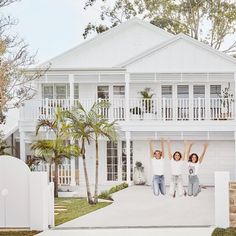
(209, 21)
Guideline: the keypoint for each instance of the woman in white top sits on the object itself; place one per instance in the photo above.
(158, 181)
(194, 163)
(176, 171)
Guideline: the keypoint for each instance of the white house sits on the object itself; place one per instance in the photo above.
(187, 78)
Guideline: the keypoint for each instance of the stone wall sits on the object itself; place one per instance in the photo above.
(232, 204)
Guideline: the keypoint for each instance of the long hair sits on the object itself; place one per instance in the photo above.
(190, 159)
(179, 155)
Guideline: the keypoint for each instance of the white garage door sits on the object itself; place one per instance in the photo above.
(219, 157)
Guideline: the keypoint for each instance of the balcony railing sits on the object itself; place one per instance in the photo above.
(139, 109)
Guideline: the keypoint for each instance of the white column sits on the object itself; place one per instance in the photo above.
(127, 86)
(158, 102)
(235, 154)
(22, 146)
(128, 172)
(71, 82)
(234, 113)
(222, 199)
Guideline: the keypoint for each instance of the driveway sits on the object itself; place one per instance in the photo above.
(136, 206)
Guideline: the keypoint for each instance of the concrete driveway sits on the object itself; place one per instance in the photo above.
(136, 206)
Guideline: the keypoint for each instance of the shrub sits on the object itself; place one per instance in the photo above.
(218, 232)
(105, 195)
(108, 194)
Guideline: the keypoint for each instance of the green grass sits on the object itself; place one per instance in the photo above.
(76, 207)
(18, 233)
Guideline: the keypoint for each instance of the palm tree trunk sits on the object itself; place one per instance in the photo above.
(96, 174)
(56, 179)
(89, 195)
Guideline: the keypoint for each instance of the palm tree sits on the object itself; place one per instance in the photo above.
(101, 127)
(57, 148)
(79, 129)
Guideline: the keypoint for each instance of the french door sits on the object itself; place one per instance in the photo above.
(116, 164)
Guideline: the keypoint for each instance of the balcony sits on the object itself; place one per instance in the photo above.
(164, 109)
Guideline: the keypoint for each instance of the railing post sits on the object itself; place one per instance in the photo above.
(208, 103)
(127, 105)
(199, 109)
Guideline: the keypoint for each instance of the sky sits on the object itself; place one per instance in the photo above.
(51, 27)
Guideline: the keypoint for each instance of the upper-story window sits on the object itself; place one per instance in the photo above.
(119, 91)
(215, 91)
(199, 91)
(166, 91)
(183, 91)
(56, 91)
(76, 91)
(103, 92)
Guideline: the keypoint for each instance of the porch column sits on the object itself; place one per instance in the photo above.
(71, 82)
(175, 101)
(127, 111)
(128, 172)
(191, 102)
(22, 146)
(234, 112)
(235, 154)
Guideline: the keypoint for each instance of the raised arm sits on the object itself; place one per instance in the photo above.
(189, 150)
(163, 147)
(151, 149)
(169, 149)
(203, 152)
(184, 150)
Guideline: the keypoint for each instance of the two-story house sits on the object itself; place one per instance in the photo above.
(188, 81)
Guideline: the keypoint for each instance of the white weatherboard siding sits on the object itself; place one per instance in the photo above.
(181, 55)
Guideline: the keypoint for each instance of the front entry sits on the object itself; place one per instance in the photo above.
(117, 161)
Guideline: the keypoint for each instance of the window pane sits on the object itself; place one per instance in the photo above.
(76, 91)
(112, 161)
(48, 91)
(199, 91)
(103, 92)
(166, 91)
(119, 90)
(182, 91)
(215, 91)
(60, 91)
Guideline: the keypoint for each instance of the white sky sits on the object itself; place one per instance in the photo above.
(53, 26)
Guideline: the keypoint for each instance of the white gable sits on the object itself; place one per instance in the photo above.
(182, 55)
(113, 47)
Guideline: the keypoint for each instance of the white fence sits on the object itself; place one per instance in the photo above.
(181, 109)
(64, 172)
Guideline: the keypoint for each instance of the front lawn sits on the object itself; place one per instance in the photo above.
(67, 209)
(18, 233)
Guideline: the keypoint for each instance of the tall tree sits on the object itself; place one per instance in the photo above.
(57, 148)
(100, 127)
(209, 21)
(15, 81)
(77, 125)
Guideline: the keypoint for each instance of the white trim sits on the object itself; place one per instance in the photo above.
(174, 40)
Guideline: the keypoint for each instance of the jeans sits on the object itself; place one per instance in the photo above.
(176, 184)
(158, 184)
(193, 185)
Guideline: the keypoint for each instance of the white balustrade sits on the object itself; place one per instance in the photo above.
(64, 172)
(139, 109)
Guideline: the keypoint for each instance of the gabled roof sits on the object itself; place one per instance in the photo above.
(110, 32)
(172, 41)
